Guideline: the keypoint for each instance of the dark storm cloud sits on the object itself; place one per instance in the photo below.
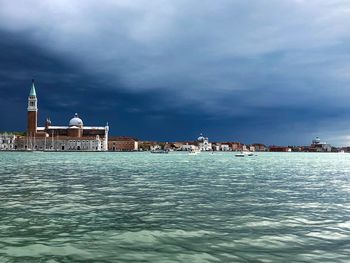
(270, 71)
(61, 86)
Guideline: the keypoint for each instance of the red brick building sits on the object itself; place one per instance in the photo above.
(122, 144)
(279, 149)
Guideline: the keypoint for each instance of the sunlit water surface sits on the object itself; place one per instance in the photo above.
(142, 207)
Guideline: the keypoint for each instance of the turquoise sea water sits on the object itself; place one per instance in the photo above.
(142, 207)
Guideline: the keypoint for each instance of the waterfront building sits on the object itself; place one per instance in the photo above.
(173, 146)
(243, 148)
(145, 145)
(203, 143)
(168, 147)
(251, 148)
(122, 144)
(74, 137)
(318, 146)
(7, 141)
(189, 147)
(299, 148)
(225, 147)
(259, 147)
(236, 146)
(279, 149)
(215, 146)
(176, 146)
(155, 147)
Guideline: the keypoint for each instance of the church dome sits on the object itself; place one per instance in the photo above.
(76, 121)
(317, 140)
(201, 138)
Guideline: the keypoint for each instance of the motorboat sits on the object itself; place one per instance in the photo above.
(160, 151)
(194, 152)
(244, 154)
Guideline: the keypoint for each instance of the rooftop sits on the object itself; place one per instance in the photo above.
(67, 127)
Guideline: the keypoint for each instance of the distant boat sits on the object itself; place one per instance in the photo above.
(160, 151)
(244, 154)
(194, 152)
(241, 154)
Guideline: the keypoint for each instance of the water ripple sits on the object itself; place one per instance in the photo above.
(141, 207)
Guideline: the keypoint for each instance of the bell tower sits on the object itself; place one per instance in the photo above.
(32, 112)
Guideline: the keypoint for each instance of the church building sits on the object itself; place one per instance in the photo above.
(74, 137)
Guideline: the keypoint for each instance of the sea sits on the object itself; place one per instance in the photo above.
(176, 207)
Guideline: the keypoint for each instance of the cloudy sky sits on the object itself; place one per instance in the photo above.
(271, 71)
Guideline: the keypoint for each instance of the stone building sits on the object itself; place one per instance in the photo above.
(259, 147)
(318, 146)
(203, 143)
(188, 146)
(275, 148)
(74, 137)
(7, 141)
(225, 147)
(122, 144)
(236, 146)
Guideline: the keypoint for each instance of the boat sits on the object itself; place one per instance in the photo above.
(241, 154)
(193, 152)
(244, 154)
(160, 151)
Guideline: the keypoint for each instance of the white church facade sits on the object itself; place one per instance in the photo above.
(73, 137)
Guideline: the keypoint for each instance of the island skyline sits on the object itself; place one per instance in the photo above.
(156, 142)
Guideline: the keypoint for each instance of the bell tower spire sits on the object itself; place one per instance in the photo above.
(32, 111)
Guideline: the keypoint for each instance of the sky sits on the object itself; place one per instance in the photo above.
(269, 71)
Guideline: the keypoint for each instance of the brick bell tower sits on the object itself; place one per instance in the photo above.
(32, 112)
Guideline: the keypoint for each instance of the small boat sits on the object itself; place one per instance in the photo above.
(160, 151)
(244, 154)
(193, 152)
